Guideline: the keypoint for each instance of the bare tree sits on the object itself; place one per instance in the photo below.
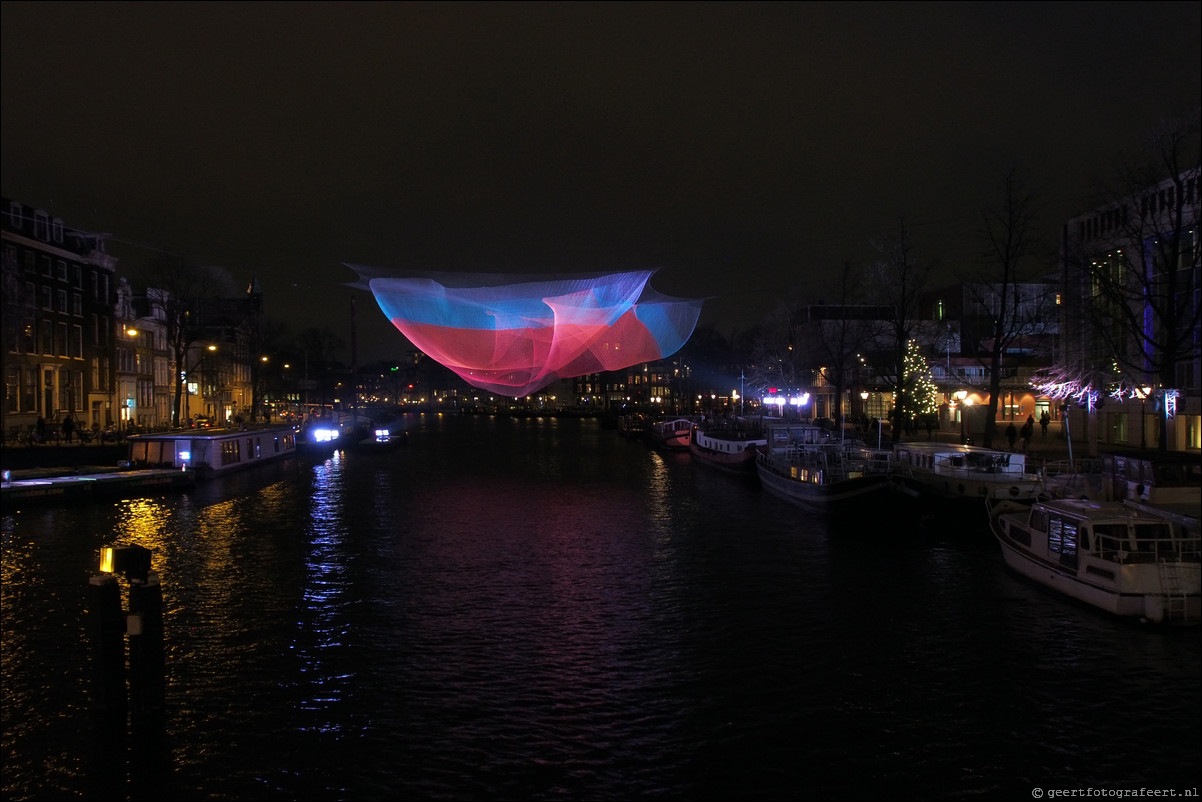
(319, 347)
(900, 279)
(1141, 298)
(1011, 249)
(835, 339)
(773, 350)
(182, 284)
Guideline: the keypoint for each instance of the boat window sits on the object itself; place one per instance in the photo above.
(1068, 540)
(1148, 536)
(230, 452)
(1111, 538)
(1039, 520)
(1057, 526)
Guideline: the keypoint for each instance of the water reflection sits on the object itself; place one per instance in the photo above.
(327, 612)
(513, 609)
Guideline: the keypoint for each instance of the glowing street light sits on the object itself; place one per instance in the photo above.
(962, 397)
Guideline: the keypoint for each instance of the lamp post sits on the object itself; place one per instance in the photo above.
(1143, 416)
(961, 395)
(209, 349)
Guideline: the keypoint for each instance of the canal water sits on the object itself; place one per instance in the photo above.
(511, 609)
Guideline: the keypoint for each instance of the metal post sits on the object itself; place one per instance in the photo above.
(1068, 437)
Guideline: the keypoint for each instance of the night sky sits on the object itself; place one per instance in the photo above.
(742, 149)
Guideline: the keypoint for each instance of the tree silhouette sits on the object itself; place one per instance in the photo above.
(1011, 262)
(1138, 302)
(901, 280)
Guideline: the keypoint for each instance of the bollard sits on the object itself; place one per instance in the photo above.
(107, 625)
(146, 663)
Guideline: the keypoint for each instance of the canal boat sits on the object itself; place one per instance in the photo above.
(670, 435)
(729, 446)
(807, 466)
(950, 472)
(1126, 561)
(381, 441)
(212, 452)
(33, 487)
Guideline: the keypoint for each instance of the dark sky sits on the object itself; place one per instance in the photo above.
(739, 148)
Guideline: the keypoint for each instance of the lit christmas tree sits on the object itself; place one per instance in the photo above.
(922, 398)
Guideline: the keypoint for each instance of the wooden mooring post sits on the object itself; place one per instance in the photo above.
(140, 691)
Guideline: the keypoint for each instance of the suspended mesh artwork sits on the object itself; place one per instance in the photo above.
(514, 335)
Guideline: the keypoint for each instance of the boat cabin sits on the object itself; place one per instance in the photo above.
(1072, 527)
(213, 452)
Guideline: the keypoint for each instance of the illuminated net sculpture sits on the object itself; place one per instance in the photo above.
(513, 335)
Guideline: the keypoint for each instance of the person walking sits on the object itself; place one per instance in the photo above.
(1011, 434)
(1025, 435)
(68, 428)
(1044, 420)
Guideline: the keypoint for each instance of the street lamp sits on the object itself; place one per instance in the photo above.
(209, 349)
(1145, 391)
(962, 397)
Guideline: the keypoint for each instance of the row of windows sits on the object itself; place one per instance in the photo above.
(43, 389)
(54, 300)
(54, 338)
(34, 264)
(1151, 206)
(44, 228)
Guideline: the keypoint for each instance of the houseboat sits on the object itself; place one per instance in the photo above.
(729, 446)
(807, 466)
(950, 472)
(670, 435)
(1126, 561)
(212, 452)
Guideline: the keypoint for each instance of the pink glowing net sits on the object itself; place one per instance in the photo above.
(514, 335)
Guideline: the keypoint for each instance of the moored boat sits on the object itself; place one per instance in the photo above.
(729, 446)
(950, 472)
(382, 440)
(212, 452)
(631, 426)
(91, 486)
(806, 466)
(670, 435)
(1126, 561)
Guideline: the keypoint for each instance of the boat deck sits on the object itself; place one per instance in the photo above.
(39, 487)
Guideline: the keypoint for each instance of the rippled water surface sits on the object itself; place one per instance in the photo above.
(540, 609)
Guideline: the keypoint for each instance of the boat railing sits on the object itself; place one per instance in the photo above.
(1080, 465)
(963, 464)
(1169, 547)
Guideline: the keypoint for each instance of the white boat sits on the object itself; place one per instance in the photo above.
(807, 466)
(670, 435)
(1126, 561)
(729, 446)
(212, 452)
(961, 472)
